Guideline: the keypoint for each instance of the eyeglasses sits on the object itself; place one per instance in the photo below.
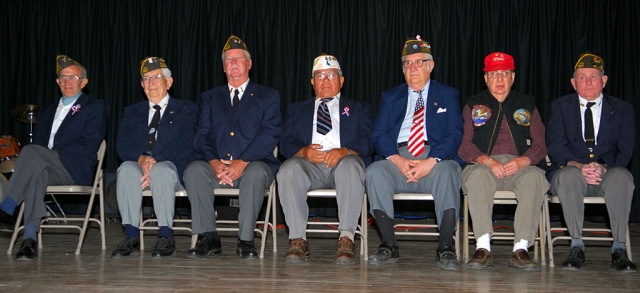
(231, 59)
(418, 63)
(153, 78)
(69, 78)
(495, 74)
(320, 76)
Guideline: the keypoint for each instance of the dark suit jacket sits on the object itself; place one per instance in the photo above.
(174, 142)
(78, 138)
(565, 142)
(444, 129)
(355, 129)
(250, 135)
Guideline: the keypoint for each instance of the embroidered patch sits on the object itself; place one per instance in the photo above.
(523, 117)
(480, 114)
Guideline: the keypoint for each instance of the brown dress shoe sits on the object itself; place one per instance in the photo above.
(520, 259)
(298, 251)
(480, 260)
(346, 253)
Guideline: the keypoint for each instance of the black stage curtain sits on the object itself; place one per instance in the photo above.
(111, 37)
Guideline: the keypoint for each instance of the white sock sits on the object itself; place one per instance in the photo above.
(344, 233)
(484, 242)
(522, 244)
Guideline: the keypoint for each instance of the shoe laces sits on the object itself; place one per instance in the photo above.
(127, 243)
(163, 243)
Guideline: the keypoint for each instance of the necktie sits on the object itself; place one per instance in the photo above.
(323, 123)
(236, 100)
(153, 127)
(589, 133)
(416, 138)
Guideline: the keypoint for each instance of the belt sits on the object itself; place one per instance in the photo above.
(406, 143)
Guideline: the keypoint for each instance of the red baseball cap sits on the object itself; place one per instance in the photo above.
(498, 61)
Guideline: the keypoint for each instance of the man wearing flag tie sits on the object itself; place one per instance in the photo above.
(328, 145)
(417, 133)
(590, 137)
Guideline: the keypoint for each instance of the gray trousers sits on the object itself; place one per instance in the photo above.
(616, 187)
(36, 168)
(298, 175)
(200, 182)
(163, 186)
(384, 179)
(529, 185)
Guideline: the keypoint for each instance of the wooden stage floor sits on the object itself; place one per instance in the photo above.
(57, 269)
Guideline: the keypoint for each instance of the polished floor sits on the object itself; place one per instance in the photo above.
(57, 269)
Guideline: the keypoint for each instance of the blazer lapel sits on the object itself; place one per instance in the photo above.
(346, 135)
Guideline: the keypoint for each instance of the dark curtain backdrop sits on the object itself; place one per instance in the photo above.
(111, 37)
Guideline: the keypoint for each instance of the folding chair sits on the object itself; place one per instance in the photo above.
(425, 197)
(92, 191)
(360, 230)
(502, 197)
(270, 193)
(148, 223)
(548, 230)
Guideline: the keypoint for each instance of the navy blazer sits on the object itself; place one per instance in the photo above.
(78, 138)
(174, 142)
(565, 142)
(443, 120)
(250, 135)
(355, 128)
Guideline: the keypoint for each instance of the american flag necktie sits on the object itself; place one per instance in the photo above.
(416, 139)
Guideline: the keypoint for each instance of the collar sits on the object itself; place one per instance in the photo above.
(163, 103)
(240, 89)
(335, 98)
(583, 101)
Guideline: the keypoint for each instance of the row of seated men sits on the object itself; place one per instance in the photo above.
(421, 137)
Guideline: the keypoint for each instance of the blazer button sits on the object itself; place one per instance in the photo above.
(591, 156)
(229, 155)
(232, 134)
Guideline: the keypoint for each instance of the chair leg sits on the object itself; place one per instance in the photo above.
(364, 247)
(465, 231)
(547, 231)
(628, 244)
(16, 229)
(141, 231)
(274, 227)
(541, 236)
(265, 226)
(102, 223)
(85, 224)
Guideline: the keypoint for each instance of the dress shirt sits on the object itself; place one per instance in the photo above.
(331, 140)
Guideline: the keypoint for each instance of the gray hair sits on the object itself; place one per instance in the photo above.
(166, 72)
(246, 54)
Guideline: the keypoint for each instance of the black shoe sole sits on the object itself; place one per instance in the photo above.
(120, 256)
(210, 253)
(159, 256)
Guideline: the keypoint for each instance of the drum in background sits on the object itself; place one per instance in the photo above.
(9, 146)
(8, 164)
(3, 184)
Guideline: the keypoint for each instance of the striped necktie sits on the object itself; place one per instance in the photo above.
(323, 123)
(416, 139)
(153, 127)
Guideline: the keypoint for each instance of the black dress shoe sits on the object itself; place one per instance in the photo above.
(28, 250)
(7, 222)
(575, 260)
(246, 249)
(206, 246)
(385, 254)
(164, 248)
(620, 261)
(446, 259)
(127, 248)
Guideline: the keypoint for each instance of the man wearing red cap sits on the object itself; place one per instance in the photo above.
(503, 146)
(590, 140)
